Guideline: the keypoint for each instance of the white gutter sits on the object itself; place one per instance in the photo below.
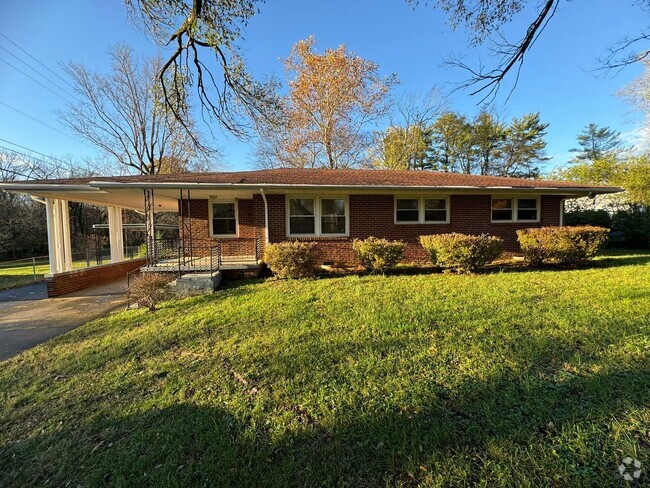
(278, 186)
(266, 214)
(48, 187)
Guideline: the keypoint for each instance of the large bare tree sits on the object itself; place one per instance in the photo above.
(125, 114)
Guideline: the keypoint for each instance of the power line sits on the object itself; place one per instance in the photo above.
(54, 73)
(37, 72)
(41, 122)
(7, 170)
(22, 154)
(35, 80)
(33, 150)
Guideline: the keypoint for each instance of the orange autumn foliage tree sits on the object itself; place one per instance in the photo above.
(333, 98)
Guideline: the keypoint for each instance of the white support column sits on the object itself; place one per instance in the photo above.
(51, 232)
(58, 235)
(115, 234)
(65, 233)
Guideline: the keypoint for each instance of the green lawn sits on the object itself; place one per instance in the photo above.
(510, 379)
(22, 273)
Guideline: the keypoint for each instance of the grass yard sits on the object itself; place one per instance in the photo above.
(22, 273)
(506, 379)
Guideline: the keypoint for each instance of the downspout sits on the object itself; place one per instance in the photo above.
(562, 212)
(266, 214)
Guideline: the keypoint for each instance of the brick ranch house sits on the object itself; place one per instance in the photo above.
(227, 218)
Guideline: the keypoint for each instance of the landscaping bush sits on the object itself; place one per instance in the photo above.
(564, 245)
(291, 259)
(378, 255)
(633, 224)
(599, 218)
(460, 252)
(149, 290)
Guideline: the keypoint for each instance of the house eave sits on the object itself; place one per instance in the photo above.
(392, 188)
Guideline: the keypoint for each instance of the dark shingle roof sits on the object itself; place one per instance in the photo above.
(327, 177)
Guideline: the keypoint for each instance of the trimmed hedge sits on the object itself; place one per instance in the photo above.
(293, 259)
(460, 252)
(564, 245)
(378, 255)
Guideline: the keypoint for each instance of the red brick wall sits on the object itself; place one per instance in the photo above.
(250, 220)
(70, 281)
(373, 215)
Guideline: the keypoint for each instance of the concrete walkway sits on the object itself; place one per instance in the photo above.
(28, 317)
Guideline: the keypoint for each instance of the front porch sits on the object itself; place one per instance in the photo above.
(185, 256)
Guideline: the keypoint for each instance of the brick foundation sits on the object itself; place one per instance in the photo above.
(78, 279)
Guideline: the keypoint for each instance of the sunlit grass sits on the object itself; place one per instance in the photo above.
(517, 378)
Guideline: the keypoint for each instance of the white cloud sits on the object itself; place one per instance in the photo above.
(638, 137)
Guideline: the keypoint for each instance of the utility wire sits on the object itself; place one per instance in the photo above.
(53, 72)
(41, 122)
(22, 154)
(36, 81)
(37, 72)
(33, 150)
(7, 170)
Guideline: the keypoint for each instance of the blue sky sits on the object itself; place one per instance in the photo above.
(556, 78)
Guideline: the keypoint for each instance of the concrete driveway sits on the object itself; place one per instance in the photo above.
(28, 317)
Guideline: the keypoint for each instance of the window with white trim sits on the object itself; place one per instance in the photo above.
(502, 210)
(302, 216)
(421, 210)
(224, 218)
(435, 210)
(525, 209)
(332, 216)
(317, 216)
(407, 210)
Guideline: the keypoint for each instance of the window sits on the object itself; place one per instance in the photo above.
(502, 209)
(302, 216)
(527, 209)
(421, 210)
(515, 209)
(327, 216)
(407, 210)
(435, 210)
(332, 216)
(224, 219)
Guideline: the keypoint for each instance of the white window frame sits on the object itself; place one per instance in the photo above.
(318, 214)
(421, 210)
(210, 218)
(515, 208)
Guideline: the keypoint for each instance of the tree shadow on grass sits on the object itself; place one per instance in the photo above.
(537, 427)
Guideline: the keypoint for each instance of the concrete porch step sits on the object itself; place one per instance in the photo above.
(197, 283)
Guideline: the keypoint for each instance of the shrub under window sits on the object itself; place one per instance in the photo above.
(291, 259)
(378, 255)
(460, 252)
(564, 245)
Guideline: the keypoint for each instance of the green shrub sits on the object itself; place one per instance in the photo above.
(564, 245)
(149, 289)
(378, 255)
(292, 259)
(599, 218)
(460, 252)
(633, 224)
